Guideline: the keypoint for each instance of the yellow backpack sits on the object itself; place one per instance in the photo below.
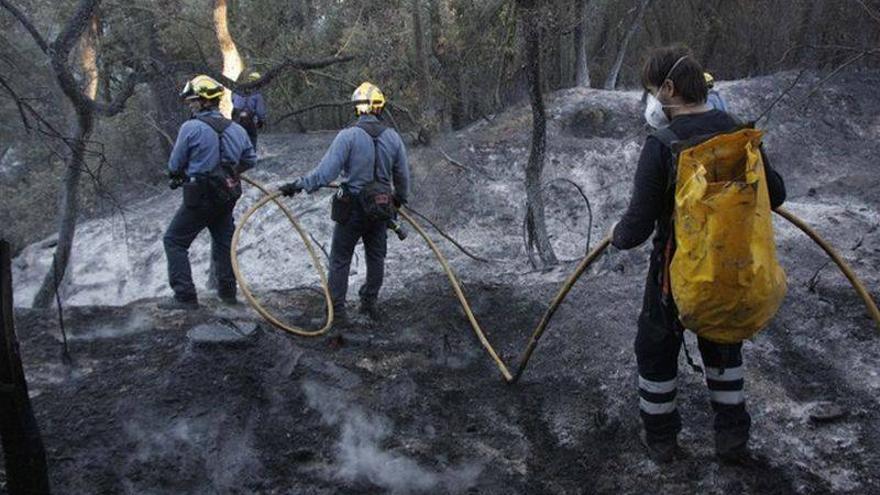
(724, 277)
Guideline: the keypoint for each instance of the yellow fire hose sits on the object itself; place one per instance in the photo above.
(456, 283)
(456, 286)
(856, 283)
(236, 269)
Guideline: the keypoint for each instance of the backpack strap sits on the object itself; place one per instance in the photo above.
(219, 125)
(374, 130)
(668, 138)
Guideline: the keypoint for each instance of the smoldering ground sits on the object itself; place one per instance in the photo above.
(360, 455)
(414, 404)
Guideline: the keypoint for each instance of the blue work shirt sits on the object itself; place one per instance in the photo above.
(197, 152)
(351, 155)
(716, 101)
(254, 104)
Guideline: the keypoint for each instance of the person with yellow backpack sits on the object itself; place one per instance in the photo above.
(704, 185)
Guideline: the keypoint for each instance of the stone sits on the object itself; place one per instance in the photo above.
(826, 412)
(224, 333)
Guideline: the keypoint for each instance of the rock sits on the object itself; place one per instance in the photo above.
(826, 412)
(223, 333)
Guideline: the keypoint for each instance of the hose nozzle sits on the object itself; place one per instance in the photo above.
(398, 229)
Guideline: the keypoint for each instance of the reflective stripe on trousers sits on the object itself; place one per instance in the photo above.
(726, 385)
(657, 397)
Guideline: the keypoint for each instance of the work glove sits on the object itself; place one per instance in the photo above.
(399, 201)
(291, 188)
(176, 179)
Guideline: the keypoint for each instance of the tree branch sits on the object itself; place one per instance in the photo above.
(74, 29)
(268, 76)
(325, 104)
(117, 105)
(286, 65)
(27, 24)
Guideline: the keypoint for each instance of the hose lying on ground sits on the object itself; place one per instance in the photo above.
(236, 269)
(856, 283)
(563, 292)
(456, 286)
(545, 321)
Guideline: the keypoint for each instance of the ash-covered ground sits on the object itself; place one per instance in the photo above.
(414, 404)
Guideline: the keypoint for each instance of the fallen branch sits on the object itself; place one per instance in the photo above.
(453, 161)
(323, 250)
(309, 108)
(781, 95)
(855, 58)
(529, 243)
(449, 238)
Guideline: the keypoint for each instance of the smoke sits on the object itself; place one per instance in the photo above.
(138, 321)
(360, 456)
(216, 450)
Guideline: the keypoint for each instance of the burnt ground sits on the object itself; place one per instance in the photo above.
(414, 404)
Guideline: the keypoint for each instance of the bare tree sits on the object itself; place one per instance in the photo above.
(421, 61)
(232, 62)
(536, 227)
(86, 109)
(611, 81)
(582, 70)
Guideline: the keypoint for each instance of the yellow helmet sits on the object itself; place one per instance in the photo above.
(368, 98)
(253, 76)
(710, 81)
(202, 87)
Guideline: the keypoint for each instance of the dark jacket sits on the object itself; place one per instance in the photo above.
(652, 200)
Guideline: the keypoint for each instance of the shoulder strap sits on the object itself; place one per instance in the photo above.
(374, 130)
(668, 138)
(219, 124)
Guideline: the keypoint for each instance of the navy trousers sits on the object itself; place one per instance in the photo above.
(345, 238)
(187, 223)
(657, 347)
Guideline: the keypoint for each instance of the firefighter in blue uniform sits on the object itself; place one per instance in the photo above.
(365, 153)
(205, 144)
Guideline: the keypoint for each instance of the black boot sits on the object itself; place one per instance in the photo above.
(371, 309)
(174, 303)
(662, 452)
(733, 449)
(228, 299)
(340, 316)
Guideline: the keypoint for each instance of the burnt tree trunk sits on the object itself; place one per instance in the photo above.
(68, 203)
(581, 69)
(611, 81)
(163, 90)
(420, 60)
(68, 210)
(26, 470)
(536, 227)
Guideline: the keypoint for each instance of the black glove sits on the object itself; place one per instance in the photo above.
(291, 188)
(176, 179)
(398, 201)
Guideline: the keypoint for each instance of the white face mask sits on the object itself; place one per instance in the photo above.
(654, 114)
